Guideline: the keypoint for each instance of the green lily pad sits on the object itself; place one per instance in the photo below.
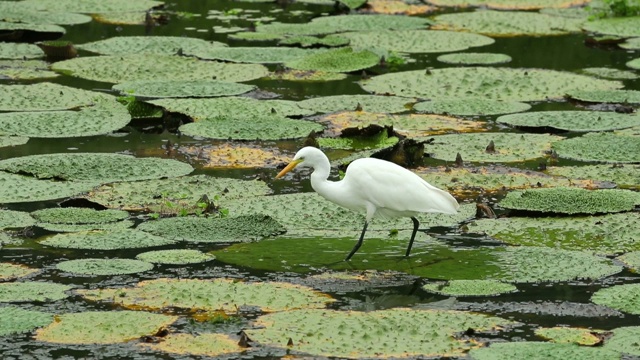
(214, 230)
(138, 68)
(634, 64)
(508, 23)
(470, 106)
(179, 89)
(378, 141)
(10, 271)
(46, 96)
(510, 4)
(256, 55)
(631, 44)
(25, 12)
(182, 193)
(542, 351)
(369, 103)
(73, 215)
(92, 6)
(392, 333)
(20, 188)
(15, 219)
(151, 45)
(609, 73)
(262, 127)
(303, 75)
(97, 167)
(6, 141)
(579, 121)
(32, 291)
(205, 344)
(570, 335)
(470, 288)
(15, 320)
(627, 176)
(632, 260)
(474, 58)
(308, 41)
(484, 82)
(44, 31)
(618, 26)
(255, 36)
(607, 96)
(509, 147)
(571, 200)
(619, 297)
(600, 147)
(25, 70)
(417, 41)
(104, 118)
(338, 60)
(20, 51)
(608, 235)
(71, 228)
(624, 340)
(175, 257)
(101, 267)
(429, 259)
(211, 294)
(103, 327)
(106, 240)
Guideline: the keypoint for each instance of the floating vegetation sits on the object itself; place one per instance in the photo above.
(470, 288)
(570, 335)
(30, 291)
(175, 257)
(15, 219)
(368, 103)
(339, 60)
(106, 240)
(10, 271)
(627, 176)
(101, 267)
(579, 121)
(606, 96)
(15, 320)
(474, 58)
(203, 344)
(344, 23)
(253, 55)
(150, 45)
(20, 188)
(46, 96)
(632, 260)
(470, 107)
(263, 127)
(73, 215)
(619, 297)
(542, 350)
(610, 73)
(600, 147)
(417, 41)
(180, 89)
(230, 155)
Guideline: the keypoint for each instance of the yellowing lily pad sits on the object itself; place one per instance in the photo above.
(570, 335)
(10, 271)
(237, 156)
(397, 7)
(103, 327)
(206, 344)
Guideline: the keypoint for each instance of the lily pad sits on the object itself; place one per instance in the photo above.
(471, 106)
(97, 167)
(571, 200)
(175, 257)
(627, 176)
(631, 44)
(92, 6)
(634, 64)
(339, 60)
(238, 156)
(214, 230)
(344, 23)
(417, 41)
(151, 45)
(182, 193)
(600, 147)
(509, 147)
(106, 240)
(618, 26)
(570, 335)
(255, 55)
(459, 288)
(510, 4)
(42, 31)
(15, 320)
(30, 291)
(103, 327)
(632, 260)
(25, 70)
(104, 118)
(211, 294)
(619, 297)
(607, 96)
(10, 271)
(180, 89)
(101, 267)
(624, 340)
(474, 58)
(541, 351)
(20, 51)
(265, 127)
(579, 121)
(307, 41)
(390, 333)
(72, 228)
(484, 82)
(6, 141)
(369, 103)
(46, 96)
(205, 344)
(397, 7)
(609, 73)
(25, 12)
(19, 188)
(117, 69)
(302, 75)
(508, 23)
(377, 141)
(73, 215)
(15, 219)
(608, 235)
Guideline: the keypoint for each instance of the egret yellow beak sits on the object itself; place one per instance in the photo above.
(288, 168)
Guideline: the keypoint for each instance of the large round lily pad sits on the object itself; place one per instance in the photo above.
(10, 271)
(344, 23)
(624, 340)
(508, 147)
(417, 41)
(257, 55)
(20, 188)
(15, 219)
(92, 6)
(510, 4)
(211, 294)
(264, 127)
(97, 167)
(617, 26)
(394, 333)
(15, 320)
(474, 58)
(484, 82)
(470, 288)
(205, 344)
(627, 176)
(46, 96)
(369, 103)
(238, 155)
(106, 240)
(179, 89)
(631, 260)
(20, 51)
(25, 70)
(570, 335)
(175, 257)
(619, 297)
(73, 215)
(634, 64)
(339, 60)
(101, 267)
(607, 96)
(471, 106)
(609, 234)
(117, 69)
(103, 327)
(542, 351)
(611, 73)
(580, 121)
(571, 200)
(151, 45)
(32, 291)
(600, 147)
(213, 230)
(6, 141)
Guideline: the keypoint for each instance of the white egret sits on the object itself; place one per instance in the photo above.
(378, 187)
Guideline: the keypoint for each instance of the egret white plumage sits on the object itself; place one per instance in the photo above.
(377, 187)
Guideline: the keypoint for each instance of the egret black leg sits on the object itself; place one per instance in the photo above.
(359, 243)
(416, 223)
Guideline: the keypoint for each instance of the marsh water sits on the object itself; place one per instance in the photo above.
(540, 304)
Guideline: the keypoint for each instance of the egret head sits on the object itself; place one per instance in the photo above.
(306, 157)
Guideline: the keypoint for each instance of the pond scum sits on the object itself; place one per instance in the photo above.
(140, 217)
